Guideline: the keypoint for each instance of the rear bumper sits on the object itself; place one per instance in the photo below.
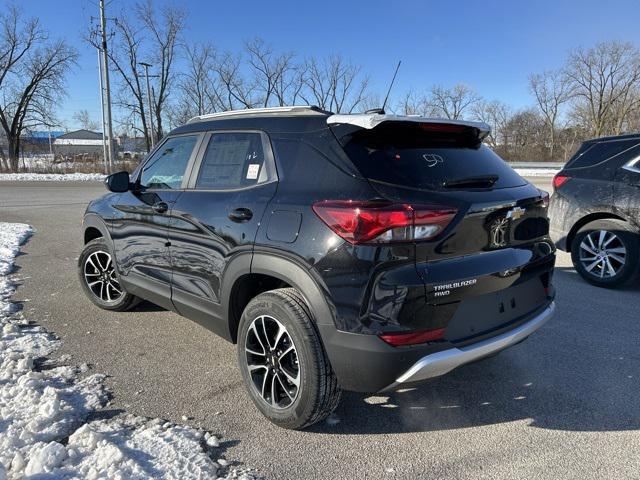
(442, 362)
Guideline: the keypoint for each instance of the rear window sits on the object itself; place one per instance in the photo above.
(406, 155)
(591, 154)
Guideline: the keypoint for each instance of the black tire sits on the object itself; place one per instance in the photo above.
(107, 297)
(622, 238)
(318, 393)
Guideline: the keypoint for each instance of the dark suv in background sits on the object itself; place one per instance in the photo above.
(595, 210)
(359, 252)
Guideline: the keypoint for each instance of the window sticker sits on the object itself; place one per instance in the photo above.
(252, 171)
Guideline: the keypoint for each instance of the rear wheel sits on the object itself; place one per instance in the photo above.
(283, 363)
(606, 252)
(99, 279)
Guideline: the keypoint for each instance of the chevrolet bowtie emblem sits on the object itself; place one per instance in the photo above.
(516, 213)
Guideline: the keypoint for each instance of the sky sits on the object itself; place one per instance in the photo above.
(492, 46)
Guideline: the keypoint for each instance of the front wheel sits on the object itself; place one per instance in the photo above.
(99, 278)
(283, 362)
(606, 253)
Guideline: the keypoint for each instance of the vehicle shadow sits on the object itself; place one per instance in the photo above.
(579, 372)
(146, 306)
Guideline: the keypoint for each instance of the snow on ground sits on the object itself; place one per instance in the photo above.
(537, 172)
(46, 407)
(52, 177)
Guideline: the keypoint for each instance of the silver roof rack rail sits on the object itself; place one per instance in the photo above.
(253, 111)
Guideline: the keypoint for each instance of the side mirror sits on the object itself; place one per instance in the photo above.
(117, 182)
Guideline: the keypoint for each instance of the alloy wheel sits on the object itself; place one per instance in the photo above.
(272, 361)
(602, 254)
(100, 275)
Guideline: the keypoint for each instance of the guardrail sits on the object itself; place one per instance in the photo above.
(536, 169)
(556, 165)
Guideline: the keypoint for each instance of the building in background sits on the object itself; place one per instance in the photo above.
(79, 142)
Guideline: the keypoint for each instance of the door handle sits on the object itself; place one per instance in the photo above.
(241, 215)
(160, 207)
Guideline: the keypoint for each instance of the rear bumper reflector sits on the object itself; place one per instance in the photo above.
(412, 338)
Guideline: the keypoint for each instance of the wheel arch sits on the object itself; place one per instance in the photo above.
(276, 271)
(94, 227)
(592, 217)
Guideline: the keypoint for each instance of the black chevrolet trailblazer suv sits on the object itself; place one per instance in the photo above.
(363, 252)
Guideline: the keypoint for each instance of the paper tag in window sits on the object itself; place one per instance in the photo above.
(252, 171)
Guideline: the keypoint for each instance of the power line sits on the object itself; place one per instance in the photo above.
(107, 88)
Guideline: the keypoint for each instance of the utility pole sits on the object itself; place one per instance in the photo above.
(105, 71)
(104, 127)
(146, 74)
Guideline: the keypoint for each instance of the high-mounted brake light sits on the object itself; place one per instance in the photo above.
(443, 127)
(378, 222)
(559, 180)
(412, 338)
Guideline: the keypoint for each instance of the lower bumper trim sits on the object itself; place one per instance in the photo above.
(443, 362)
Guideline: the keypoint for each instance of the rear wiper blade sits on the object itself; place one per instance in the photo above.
(484, 181)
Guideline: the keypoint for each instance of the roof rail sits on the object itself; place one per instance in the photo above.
(254, 111)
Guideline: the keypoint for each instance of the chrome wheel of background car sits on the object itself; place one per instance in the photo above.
(100, 275)
(272, 360)
(602, 254)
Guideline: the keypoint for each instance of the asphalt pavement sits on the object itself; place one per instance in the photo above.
(563, 404)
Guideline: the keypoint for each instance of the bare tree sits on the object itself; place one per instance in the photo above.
(197, 84)
(274, 75)
(83, 118)
(334, 84)
(124, 57)
(159, 47)
(605, 81)
(164, 27)
(411, 104)
(526, 135)
(551, 90)
(290, 83)
(452, 103)
(497, 115)
(32, 73)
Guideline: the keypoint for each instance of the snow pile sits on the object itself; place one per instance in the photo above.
(131, 448)
(52, 177)
(44, 409)
(537, 172)
(12, 235)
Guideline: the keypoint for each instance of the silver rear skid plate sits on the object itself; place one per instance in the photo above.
(439, 363)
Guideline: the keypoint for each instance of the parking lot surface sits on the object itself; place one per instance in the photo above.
(563, 404)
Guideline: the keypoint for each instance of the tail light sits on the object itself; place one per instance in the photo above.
(412, 338)
(559, 180)
(545, 198)
(376, 222)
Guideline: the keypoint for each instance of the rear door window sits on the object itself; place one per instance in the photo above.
(408, 157)
(232, 160)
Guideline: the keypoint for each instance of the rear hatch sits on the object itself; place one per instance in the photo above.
(498, 238)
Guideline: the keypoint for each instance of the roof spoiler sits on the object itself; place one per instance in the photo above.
(372, 120)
